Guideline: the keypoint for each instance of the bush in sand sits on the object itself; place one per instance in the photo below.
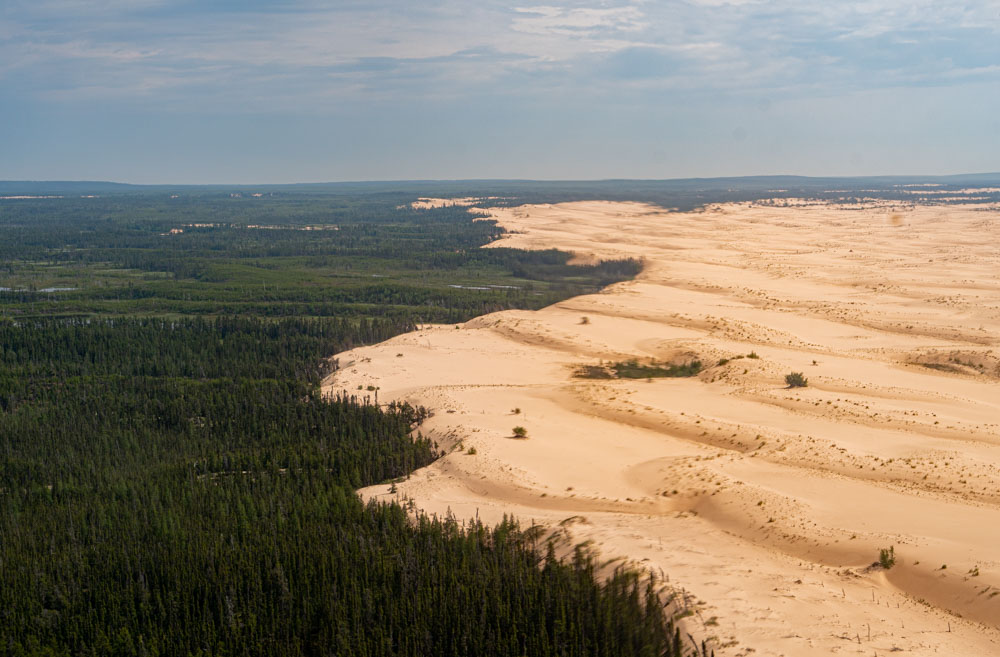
(796, 380)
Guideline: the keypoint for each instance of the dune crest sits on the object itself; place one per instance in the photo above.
(767, 504)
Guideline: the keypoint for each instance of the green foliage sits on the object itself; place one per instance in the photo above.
(200, 501)
(796, 380)
(519, 432)
(177, 485)
(594, 372)
(288, 256)
(887, 557)
(634, 370)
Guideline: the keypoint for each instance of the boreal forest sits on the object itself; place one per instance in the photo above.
(173, 483)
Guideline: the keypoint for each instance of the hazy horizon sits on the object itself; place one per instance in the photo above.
(170, 90)
(959, 179)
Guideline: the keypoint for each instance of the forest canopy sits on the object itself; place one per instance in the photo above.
(173, 483)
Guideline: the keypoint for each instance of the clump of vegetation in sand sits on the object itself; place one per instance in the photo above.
(519, 432)
(887, 557)
(941, 367)
(633, 369)
(796, 380)
(594, 372)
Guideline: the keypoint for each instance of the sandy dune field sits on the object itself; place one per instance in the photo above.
(764, 505)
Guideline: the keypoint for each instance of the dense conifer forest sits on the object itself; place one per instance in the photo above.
(172, 483)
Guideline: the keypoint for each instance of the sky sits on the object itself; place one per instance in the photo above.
(248, 91)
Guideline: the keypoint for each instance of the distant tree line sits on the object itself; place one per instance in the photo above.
(119, 256)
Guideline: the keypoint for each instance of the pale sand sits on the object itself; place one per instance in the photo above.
(765, 504)
(426, 203)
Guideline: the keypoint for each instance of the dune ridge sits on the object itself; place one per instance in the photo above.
(766, 504)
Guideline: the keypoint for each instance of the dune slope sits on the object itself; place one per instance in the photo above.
(765, 505)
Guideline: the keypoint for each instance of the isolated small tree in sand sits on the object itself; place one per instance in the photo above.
(887, 558)
(520, 432)
(796, 380)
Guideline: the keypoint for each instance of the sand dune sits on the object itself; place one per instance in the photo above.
(766, 505)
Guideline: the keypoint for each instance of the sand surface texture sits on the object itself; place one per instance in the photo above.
(764, 505)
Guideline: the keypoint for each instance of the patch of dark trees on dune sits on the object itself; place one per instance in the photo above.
(633, 369)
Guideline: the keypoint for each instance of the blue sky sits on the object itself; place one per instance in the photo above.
(301, 90)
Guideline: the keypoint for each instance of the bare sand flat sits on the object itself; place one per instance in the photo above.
(766, 505)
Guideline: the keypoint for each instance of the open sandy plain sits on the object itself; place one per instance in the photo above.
(765, 506)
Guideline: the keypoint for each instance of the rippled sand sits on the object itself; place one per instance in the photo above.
(765, 505)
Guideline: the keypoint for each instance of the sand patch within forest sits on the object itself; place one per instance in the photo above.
(765, 505)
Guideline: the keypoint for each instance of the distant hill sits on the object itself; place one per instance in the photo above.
(57, 187)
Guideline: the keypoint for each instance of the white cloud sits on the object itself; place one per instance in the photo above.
(332, 52)
(580, 21)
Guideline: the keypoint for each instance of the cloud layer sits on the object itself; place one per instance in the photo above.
(299, 51)
(714, 66)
